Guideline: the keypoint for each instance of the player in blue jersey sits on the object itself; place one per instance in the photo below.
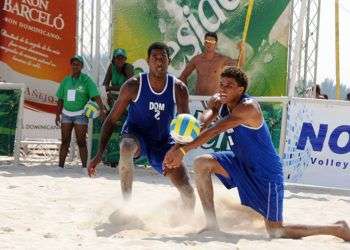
(150, 99)
(252, 165)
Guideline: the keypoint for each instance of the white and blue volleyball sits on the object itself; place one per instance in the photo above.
(184, 128)
(91, 110)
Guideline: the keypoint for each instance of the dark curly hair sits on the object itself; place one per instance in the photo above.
(158, 45)
(237, 74)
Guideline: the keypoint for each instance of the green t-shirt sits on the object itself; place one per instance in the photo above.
(118, 78)
(76, 92)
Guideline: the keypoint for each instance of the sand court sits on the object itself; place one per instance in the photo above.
(43, 207)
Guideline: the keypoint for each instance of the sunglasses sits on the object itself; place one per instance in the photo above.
(210, 41)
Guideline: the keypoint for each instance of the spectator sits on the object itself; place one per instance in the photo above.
(348, 97)
(118, 72)
(73, 93)
(318, 93)
(209, 66)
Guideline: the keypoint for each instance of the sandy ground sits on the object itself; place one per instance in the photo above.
(43, 207)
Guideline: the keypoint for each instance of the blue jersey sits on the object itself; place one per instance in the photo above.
(253, 149)
(150, 113)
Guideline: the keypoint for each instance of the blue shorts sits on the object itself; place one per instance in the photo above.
(264, 196)
(154, 150)
(77, 119)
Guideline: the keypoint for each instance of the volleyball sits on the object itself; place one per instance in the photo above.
(184, 128)
(91, 110)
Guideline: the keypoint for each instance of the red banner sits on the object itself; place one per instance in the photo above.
(37, 39)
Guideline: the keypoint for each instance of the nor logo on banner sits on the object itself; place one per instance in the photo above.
(317, 140)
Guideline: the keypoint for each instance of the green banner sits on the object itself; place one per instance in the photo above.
(182, 25)
(272, 115)
(9, 107)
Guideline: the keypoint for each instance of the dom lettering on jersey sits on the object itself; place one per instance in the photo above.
(157, 108)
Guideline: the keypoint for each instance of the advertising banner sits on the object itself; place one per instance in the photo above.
(39, 126)
(37, 39)
(272, 114)
(9, 108)
(317, 145)
(182, 24)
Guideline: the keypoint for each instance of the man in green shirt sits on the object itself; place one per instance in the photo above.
(118, 72)
(73, 93)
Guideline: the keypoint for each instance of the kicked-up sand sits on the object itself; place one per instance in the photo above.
(44, 207)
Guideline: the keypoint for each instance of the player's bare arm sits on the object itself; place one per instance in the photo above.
(181, 96)
(191, 65)
(246, 113)
(128, 92)
(211, 113)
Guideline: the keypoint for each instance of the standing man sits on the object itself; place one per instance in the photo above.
(73, 93)
(252, 165)
(150, 99)
(209, 66)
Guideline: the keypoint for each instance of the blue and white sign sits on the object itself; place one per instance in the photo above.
(317, 145)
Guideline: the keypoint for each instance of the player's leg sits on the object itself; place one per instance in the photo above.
(204, 166)
(128, 149)
(278, 230)
(179, 177)
(66, 135)
(80, 133)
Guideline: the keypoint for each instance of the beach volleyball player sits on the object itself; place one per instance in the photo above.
(150, 99)
(252, 165)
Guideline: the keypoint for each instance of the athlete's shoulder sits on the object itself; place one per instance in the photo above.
(196, 59)
(179, 83)
(249, 101)
(248, 106)
(180, 87)
(131, 86)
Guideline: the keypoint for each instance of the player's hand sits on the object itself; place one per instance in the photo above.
(173, 158)
(92, 166)
(57, 120)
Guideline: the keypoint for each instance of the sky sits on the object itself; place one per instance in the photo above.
(326, 52)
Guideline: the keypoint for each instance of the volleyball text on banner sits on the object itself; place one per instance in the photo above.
(317, 146)
(37, 39)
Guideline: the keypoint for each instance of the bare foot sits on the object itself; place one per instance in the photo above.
(344, 233)
(210, 228)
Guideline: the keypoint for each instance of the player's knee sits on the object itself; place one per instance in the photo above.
(127, 146)
(65, 142)
(81, 143)
(200, 165)
(125, 168)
